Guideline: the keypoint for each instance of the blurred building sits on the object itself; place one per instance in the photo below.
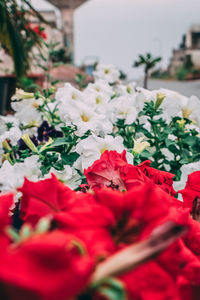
(61, 31)
(67, 9)
(189, 50)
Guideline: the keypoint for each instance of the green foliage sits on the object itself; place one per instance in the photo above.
(59, 56)
(81, 81)
(15, 35)
(175, 138)
(109, 288)
(182, 73)
(148, 62)
(45, 62)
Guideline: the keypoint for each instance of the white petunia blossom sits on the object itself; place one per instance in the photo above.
(109, 73)
(100, 86)
(85, 118)
(191, 109)
(13, 135)
(91, 148)
(68, 94)
(12, 176)
(26, 111)
(124, 108)
(69, 176)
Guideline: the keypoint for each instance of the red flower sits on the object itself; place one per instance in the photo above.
(5, 204)
(106, 171)
(191, 190)
(38, 30)
(46, 267)
(112, 170)
(150, 282)
(43, 198)
(161, 178)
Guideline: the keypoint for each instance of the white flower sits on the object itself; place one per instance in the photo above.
(140, 146)
(6, 122)
(13, 135)
(69, 176)
(125, 90)
(85, 118)
(27, 110)
(12, 176)
(109, 73)
(68, 94)
(100, 86)
(91, 148)
(97, 100)
(191, 110)
(124, 108)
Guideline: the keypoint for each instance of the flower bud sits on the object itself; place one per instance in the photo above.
(29, 143)
(159, 100)
(20, 95)
(186, 112)
(139, 146)
(181, 123)
(5, 145)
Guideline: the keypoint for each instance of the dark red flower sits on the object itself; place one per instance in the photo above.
(161, 178)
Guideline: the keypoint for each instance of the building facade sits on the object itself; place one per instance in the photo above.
(189, 49)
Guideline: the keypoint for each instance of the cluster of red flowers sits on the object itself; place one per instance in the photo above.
(121, 206)
(38, 30)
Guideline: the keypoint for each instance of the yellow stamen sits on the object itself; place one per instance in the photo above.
(84, 118)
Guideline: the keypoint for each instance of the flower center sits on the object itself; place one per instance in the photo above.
(74, 97)
(186, 112)
(106, 71)
(126, 231)
(196, 209)
(84, 118)
(98, 100)
(103, 149)
(97, 89)
(35, 104)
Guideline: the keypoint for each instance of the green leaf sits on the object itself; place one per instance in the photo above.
(110, 288)
(69, 159)
(190, 140)
(58, 142)
(169, 142)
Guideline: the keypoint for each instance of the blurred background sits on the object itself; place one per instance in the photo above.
(120, 32)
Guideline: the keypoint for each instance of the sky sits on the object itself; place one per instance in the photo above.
(116, 31)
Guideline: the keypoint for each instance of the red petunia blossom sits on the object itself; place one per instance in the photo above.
(161, 178)
(46, 267)
(106, 171)
(6, 200)
(191, 190)
(43, 198)
(106, 221)
(112, 170)
(150, 282)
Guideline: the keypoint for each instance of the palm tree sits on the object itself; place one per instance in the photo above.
(149, 62)
(16, 36)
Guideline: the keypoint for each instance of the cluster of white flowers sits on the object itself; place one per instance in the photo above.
(95, 110)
